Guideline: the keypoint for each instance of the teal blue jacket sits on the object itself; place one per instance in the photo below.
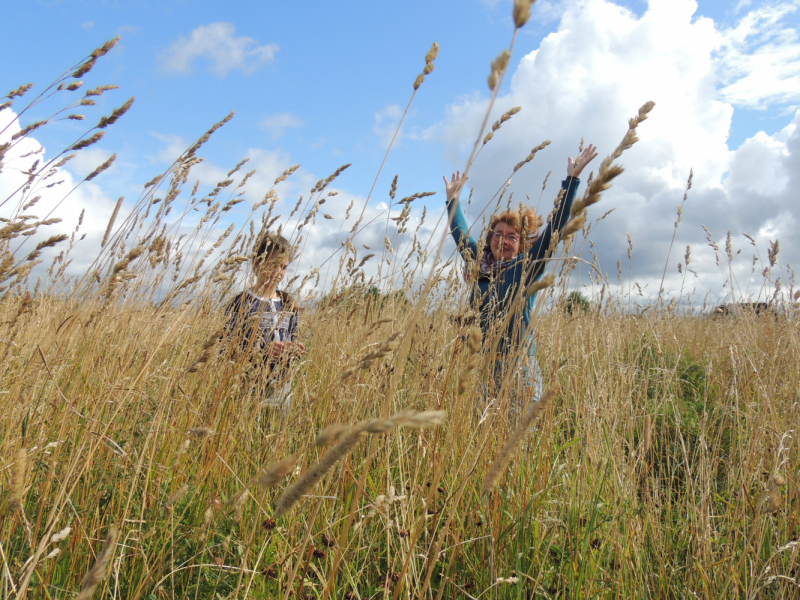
(493, 296)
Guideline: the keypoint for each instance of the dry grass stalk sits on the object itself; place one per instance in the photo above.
(647, 436)
(206, 353)
(98, 571)
(531, 156)
(348, 441)
(474, 339)
(17, 481)
(102, 167)
(506, 454)
(88, 142)
(387, 347)
(544, 282)
(317, 471)
(609, 171)
(496, 125)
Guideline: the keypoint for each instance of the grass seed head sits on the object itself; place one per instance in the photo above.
(522, 12)
(317, 471)
(201, 432)
(61, 535)
(330, 434)
(17, 481)
(277, 471)
(544, 282)
(97, 573)
(419, 420)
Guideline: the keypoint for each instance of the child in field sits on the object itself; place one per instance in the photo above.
(264, 321)
(511, 258)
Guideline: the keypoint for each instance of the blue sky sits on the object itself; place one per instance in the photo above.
(323, 85)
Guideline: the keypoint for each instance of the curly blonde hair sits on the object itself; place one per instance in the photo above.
(525, 220)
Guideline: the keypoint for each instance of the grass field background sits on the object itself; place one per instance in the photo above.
(136, 461)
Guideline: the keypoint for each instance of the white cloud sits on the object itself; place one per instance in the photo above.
(760, 59)
(585, 81)
(386, 122)
(278, 123)
(217, 44)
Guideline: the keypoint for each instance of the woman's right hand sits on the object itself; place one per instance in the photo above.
(453, 187)
(276, 349)
(574, 167)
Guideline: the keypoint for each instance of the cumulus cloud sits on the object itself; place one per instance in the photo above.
(760, 59)
(278, 123)
(217, 44)
(319, 237)
(585, 81)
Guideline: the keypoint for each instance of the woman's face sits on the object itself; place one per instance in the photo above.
(504, 241)
(271, 270)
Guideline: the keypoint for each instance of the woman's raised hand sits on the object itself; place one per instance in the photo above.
(453, 187)
(575, 167)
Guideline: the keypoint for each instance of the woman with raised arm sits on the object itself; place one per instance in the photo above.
(511, 258)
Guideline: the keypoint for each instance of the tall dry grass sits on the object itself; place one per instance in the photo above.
(136, 462)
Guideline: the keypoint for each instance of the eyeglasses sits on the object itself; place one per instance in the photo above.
(510, 237)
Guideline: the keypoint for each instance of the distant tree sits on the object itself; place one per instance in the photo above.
(576, 303)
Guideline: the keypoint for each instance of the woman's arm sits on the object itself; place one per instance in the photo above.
(541, 247)
(459, 229)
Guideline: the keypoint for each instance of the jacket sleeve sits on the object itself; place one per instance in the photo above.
(541, 248)
(460, 231)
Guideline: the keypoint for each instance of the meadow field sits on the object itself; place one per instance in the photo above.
(137, 463)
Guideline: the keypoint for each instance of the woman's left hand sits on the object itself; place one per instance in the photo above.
(574, 168)
(453, 187)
